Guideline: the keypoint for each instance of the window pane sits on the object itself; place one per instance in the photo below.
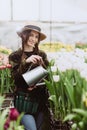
(25, 9)
(45, 10)
(5, 10)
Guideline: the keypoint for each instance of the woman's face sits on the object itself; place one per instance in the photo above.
(33, 39)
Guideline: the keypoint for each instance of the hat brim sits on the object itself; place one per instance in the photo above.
(42, 35)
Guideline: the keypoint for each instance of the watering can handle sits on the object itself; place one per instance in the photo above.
(30, 67)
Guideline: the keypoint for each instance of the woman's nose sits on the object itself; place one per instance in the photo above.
(34, 39)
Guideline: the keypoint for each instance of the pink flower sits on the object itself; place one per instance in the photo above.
(8, 66)
(13, 114)
(7, 124)
(2, 67)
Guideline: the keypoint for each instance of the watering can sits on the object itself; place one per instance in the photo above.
(33, 76)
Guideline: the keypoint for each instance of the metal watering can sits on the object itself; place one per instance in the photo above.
(32, 77)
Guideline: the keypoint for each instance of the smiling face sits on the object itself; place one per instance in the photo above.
(33, 39)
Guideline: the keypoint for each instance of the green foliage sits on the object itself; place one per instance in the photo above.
(68, 97)
(4, 115)
(79, 117)
(81, 45)
(6, 81)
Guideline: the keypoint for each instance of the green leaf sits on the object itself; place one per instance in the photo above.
(19, 128)
(80, 111)
(52, 62)
(1, 100)
(69, 89)
(74, 117)
(50, 87)
(3, 118)
(74, 126)
(81, 124)
(53, 98)
(19, 119)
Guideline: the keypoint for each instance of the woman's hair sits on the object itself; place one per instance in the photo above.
(25, 36)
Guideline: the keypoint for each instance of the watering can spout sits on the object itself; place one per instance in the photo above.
(34, 76)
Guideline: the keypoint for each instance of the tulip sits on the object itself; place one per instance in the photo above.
(7, 124)
(13, 114)
(56, 78)
(2, 67)
(53, 68)
(8, 66)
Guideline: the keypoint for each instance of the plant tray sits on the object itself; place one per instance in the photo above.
(8, 102)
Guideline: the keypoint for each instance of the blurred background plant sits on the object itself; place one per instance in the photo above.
(5, 50)
(6, 82)
(56, 46)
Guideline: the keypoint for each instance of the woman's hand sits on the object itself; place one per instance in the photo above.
(31, 88)
(34, 59)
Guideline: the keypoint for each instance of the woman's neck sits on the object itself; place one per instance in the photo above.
(28, 48)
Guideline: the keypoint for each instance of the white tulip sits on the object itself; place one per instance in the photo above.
(53, 68)
(56, 78)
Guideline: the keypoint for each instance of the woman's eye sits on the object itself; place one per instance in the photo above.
(37, 37)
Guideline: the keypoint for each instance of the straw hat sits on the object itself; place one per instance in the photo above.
(32, 27)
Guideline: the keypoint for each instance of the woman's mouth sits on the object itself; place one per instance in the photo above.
(32, 45)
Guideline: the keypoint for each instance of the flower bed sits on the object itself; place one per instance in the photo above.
(6, 82)
(56, 46)
(9, 116)
(67, 85)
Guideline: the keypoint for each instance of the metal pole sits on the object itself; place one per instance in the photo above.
(50, 22)
(39, 9)
(11, 10)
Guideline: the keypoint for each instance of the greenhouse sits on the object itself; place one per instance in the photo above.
(43, 65)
